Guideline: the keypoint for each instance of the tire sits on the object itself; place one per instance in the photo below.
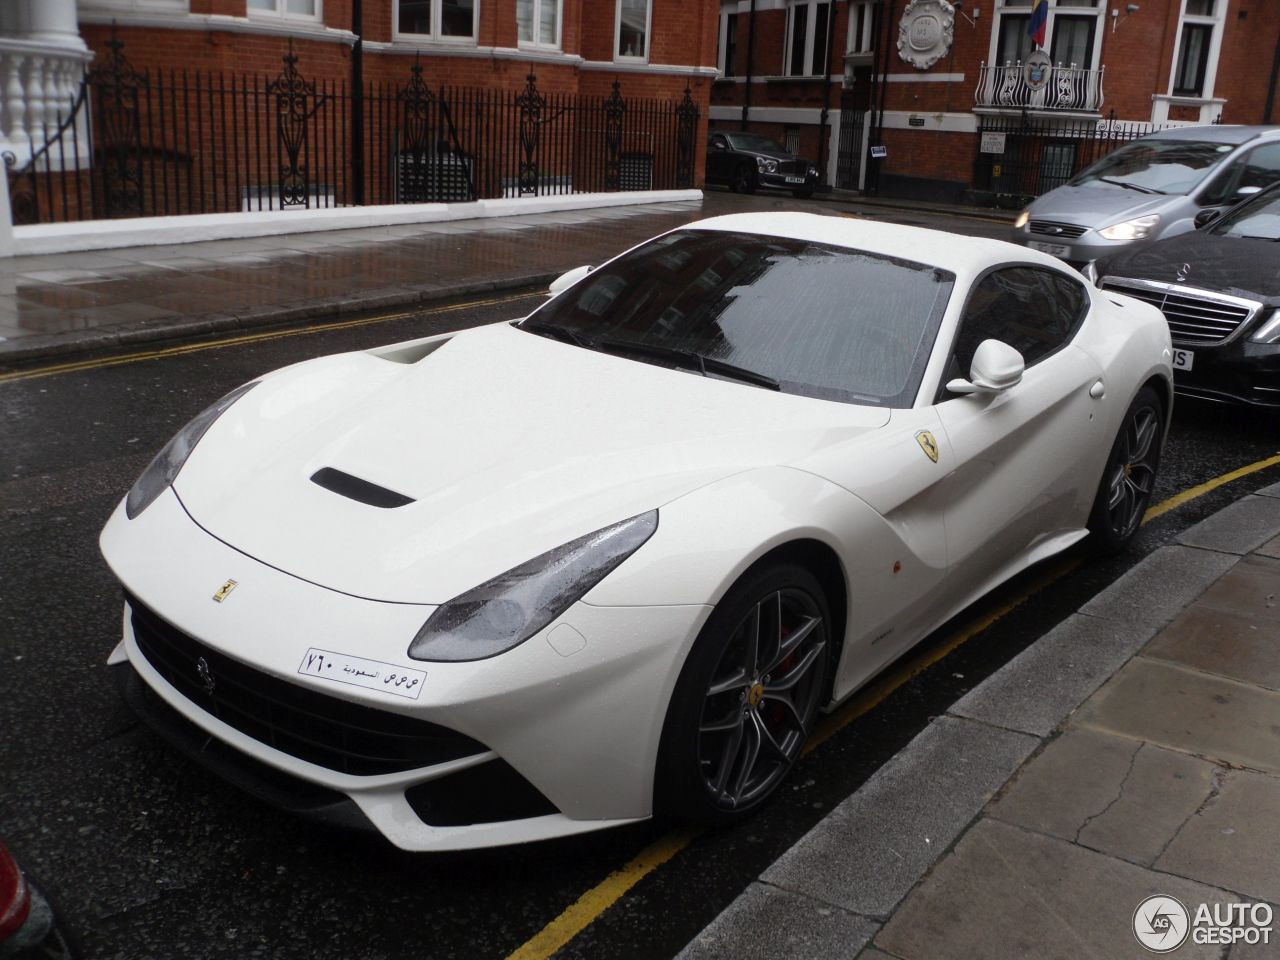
(1124, 491)
(744, 179)
(804, 194)
(734, 726)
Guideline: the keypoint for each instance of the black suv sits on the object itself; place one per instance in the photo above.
(744, 161)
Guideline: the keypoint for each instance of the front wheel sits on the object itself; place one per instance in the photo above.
(1129, 476)
(744, 180)
(747, 698)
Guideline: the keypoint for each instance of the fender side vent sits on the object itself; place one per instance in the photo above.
(362, 491)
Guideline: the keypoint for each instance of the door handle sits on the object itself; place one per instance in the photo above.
(1098, 390)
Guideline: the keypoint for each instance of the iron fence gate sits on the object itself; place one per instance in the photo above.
(157, 143)
(849, 150)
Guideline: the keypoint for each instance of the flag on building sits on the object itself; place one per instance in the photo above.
(1039, 18)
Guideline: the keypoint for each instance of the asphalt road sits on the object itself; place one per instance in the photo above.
(150, 857)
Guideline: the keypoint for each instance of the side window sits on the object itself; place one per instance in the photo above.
(1033, 310)
(1260, 167)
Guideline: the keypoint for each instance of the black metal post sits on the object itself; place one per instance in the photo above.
(751, 64)
(357, 103)
(826, 90)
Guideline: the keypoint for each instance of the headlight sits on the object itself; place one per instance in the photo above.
(509, 609)
(1131, 229)
(1022, 219)
(767, 166)
(813, 171)
(1269, 332)
(164, 468)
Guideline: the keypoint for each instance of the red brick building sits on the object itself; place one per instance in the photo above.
(923, 80)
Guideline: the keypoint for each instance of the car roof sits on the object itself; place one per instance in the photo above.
(1214, 133)
(960, 255)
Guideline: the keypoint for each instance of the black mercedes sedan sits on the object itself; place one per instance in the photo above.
(745, 161)
(1219, 288)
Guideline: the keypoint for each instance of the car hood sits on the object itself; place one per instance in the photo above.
(509, 445)
(1095, 205)
(1234, 265)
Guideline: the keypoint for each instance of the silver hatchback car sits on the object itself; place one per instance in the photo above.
(1157, 186)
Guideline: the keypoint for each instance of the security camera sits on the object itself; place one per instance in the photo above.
(1131, 8)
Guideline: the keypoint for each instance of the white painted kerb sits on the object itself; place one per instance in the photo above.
(149, 231)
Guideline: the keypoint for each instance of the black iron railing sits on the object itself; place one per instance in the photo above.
(158, 143)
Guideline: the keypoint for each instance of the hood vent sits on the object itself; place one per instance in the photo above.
(362, 491)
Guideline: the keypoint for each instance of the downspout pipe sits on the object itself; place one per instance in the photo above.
(884, 90)
(357, 103)
(826, 92)
(1271, 87)
(751, 64)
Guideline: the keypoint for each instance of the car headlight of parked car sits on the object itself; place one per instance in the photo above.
(162, 471)
(509, 609)
(813, 171)
(766, 165)
(1269, 332)
(1135, 229)
(1022, 219)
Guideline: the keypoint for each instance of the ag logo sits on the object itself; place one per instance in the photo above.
(1161, 924)
(928, 444)
(224, 591)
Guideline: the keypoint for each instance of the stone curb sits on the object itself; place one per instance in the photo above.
(843, 879)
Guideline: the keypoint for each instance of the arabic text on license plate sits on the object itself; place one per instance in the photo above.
(362, 672)
(1057, 249)
(1183, 359)
(795, 179)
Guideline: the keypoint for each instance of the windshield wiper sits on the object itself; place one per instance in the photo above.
(697, 361)
(1131, 186)
(543, 328)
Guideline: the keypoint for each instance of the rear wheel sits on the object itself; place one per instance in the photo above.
(1130, 474)
(747, 698)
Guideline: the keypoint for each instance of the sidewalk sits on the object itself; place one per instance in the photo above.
(1134, 750)
(61, 306)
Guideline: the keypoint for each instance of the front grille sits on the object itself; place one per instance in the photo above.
(490, 792)
(1050, 228)
(333, 733)
(793, 168)
(1196, 317)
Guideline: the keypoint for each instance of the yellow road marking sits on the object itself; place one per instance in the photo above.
(264, 335)
(584, 911)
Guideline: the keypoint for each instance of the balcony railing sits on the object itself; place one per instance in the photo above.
(39, 83)
(1068, 88)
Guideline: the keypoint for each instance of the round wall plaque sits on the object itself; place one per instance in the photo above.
(925, 32)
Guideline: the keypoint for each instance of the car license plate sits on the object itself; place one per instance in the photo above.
(795, 179)
(1183, 359)
(1057, 249)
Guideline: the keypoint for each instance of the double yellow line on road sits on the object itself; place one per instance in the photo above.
(587, 908)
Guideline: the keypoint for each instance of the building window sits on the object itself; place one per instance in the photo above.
(806, 49)
(538, 22)
(285, 8)
(439, 19)
(860, 27)
(1192, 66)
(1071, 31)
(633, 30)
(727, 49)
(149, 5)
(1072, 44)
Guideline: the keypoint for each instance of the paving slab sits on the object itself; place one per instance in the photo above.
(1251, 589)
(871, 953)
(1259, 950)
(781, 925)
(1006, 893)
(1237, 528)
(1219, 641)
(1108, 793)
(872, 848)
(1036, 690)
(1269, 491)
(1190, 711)
(1270, 549)
(1234, 841)
(1158, 589)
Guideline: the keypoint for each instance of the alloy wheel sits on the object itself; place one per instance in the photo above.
(1132, 473)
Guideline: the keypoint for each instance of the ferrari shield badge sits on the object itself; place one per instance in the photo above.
(226, 588)
(928, 444)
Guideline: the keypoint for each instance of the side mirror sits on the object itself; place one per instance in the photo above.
(566, 280)
(996, 367)
(1206, 217)
(717, 146)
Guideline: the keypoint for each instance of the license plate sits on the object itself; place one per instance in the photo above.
(795, 179)
(1056, 249)
(1183, 359)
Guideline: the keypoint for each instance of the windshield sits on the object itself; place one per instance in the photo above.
(1160, 166)
(751, 141)
(1258, 218)
(806, 318)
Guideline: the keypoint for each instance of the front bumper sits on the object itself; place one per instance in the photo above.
(1076, 251)
(786, 181)
(580, 728)
(1239, 371)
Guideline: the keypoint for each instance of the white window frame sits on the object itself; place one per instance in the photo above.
(434, 36)
(279, 13)
(1024, 9)
(617, 34)
(728, 11)
(538, 43)
(810, 27)
(1215, 46)
(864, 9)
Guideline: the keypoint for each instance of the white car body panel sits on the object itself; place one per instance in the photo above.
(511, 445)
